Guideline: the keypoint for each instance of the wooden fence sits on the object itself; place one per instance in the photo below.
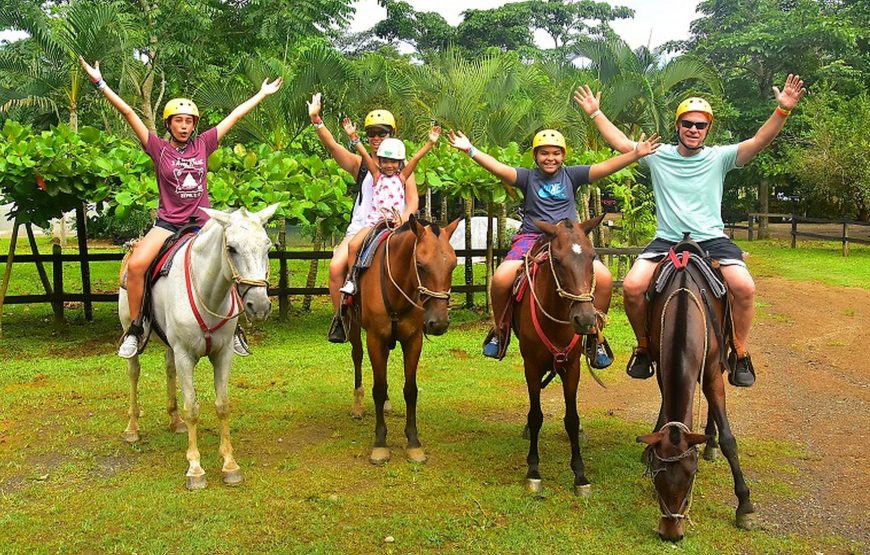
(841, 236)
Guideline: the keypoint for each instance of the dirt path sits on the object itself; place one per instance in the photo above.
(811, 349)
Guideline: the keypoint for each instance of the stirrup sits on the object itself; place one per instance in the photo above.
(337, 333)
(642, 373)
(598, 353)
(240, 343)
(495, 345)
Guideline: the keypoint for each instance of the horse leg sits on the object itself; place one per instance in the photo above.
(356, 353)
(711, 449)
(411, 351)
(572, 427)
(176, 424)
(184, 364)
(131, 433)
(728, 444)
(535, 419)
(222, 362)
(378, 354)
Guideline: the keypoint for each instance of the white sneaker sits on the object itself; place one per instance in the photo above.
(240, 347)
(129, 347)
(349, 287)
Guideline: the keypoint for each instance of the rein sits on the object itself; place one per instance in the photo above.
(236, 300)
(683, 511)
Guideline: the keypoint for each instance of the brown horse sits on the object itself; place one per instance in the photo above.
(403, 295)
(550, 322)
(689, 330)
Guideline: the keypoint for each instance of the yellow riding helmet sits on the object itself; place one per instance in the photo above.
(694, 104)
(549, 137)
(180, 107)
(382, 118)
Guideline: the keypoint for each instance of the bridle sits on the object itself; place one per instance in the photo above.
(573, 297)
(683, 511)
(421, 290)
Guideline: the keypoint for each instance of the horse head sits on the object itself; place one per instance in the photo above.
(671, 457)
(246, 251)
(571, 256)
(435, 262)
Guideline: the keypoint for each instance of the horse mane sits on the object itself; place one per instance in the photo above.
(436, 229)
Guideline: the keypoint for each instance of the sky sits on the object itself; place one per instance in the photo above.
(654, 22)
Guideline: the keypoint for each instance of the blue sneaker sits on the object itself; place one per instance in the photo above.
(602, 359)
(490, 348)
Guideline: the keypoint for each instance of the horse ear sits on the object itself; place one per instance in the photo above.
(591, 224)
(650, 439)
(220, 217)
(266, 213)
(695, 439)
(451, 228)
(416, 226)
(549, 229)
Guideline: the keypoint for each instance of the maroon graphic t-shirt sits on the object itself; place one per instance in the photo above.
(181, 177)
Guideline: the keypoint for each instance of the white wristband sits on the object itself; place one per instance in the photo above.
(595, 114)
(472, 151)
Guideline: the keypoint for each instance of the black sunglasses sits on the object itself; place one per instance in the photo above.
(699, 125)
(376, 133)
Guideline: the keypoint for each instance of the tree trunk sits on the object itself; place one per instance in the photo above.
(469, 266)
(500, 239)
(763, 207)
(445, 216)
(13, 241)
(490, 216)
(428, 212)
(311, 280)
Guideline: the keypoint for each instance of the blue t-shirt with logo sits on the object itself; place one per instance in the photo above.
(549, 198)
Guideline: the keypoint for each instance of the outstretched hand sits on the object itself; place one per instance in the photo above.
(314, 106)
(458, 141)
(647, 146)
(268, 88)
(585, 99)
(791, 92)
(348, 127)
(93, 71)
(434, 134)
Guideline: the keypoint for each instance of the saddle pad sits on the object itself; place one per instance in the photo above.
(163, 262)
(373, 241)
(669, 269)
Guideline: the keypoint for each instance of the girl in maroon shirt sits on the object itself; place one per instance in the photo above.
(181, 169)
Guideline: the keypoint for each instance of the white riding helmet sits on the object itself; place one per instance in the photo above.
(393, 149)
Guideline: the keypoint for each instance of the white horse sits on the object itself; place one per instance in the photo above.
(214, 277)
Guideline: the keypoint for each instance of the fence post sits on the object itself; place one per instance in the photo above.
(750, 226)
(57, 271)
(845, 238)
(85, 265)
(283, 278)
(794, 222)
(7, 274)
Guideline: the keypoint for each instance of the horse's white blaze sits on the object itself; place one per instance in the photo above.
(577, 248)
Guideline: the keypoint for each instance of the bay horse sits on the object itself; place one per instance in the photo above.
(551, 320)
(402, 296)
(689, 329)
(220, 273)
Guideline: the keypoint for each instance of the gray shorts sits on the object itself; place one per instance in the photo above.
(721, 248)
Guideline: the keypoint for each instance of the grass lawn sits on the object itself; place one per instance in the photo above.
(68, 483)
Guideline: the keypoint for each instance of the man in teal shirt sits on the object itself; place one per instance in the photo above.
(688, 180)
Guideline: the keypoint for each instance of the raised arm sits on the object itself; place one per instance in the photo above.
(786, 101)
(591, 104)
(412, 197)
(612, 165)
(242, 109)
(350, 129)
(132, 118)
(348, 161)
(409, 168)
(502, 171)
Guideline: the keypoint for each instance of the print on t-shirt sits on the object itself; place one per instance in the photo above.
(188, 173)
(552, 191)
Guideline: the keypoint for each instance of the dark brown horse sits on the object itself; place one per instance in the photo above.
(404, 294)
(689, 330)
(550, 321)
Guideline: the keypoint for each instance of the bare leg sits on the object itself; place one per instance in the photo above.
(338, 271)
(138, 264)
(742, 289)
(633, 290)
(500, 290)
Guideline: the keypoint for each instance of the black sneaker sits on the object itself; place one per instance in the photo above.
(741, 374)
(336, 331)
(639, 365)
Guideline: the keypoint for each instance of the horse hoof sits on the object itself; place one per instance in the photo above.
(356, 412)
(712, 453)
(130, 436)
(233, 477)
(388, 407)
(195, 482)
(534, 485)
(379, 455)
(416, 454)
(747, 521)
(584, 490)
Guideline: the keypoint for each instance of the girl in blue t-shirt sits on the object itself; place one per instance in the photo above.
(548, 195)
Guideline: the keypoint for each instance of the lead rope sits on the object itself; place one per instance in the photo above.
(583, 297)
